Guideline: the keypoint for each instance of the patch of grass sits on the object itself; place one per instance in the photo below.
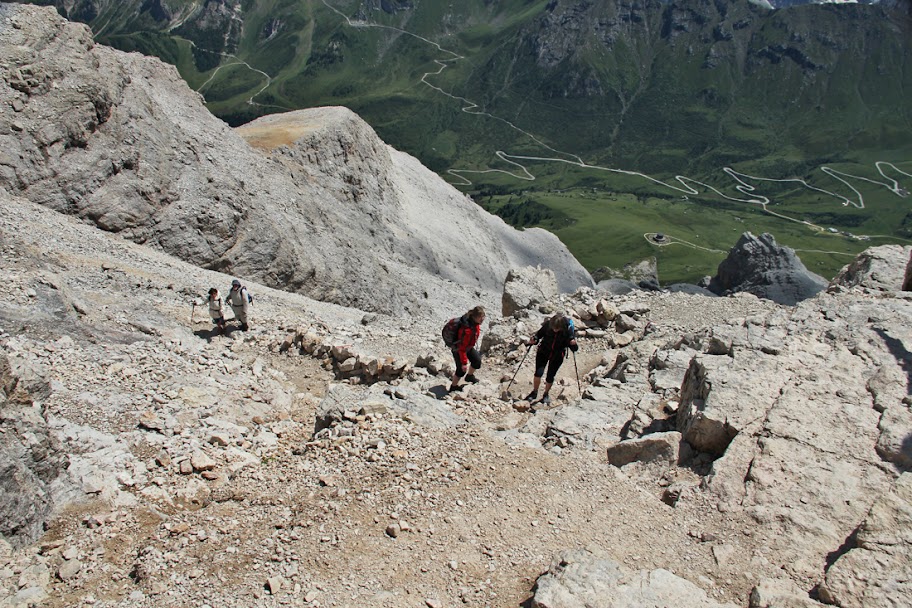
(234, 81)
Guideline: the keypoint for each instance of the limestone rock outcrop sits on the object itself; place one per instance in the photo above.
(760, 266)
(643, 274)
(877, 569)
(881, 268)
(580, 578)
(527, 287)
(317, 204)
(31, 459)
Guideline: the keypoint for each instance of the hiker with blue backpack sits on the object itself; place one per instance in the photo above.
(239, 299)
(555, 336)
(461, 334)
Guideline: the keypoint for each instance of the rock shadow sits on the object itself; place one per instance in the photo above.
(212, 332)
(901, 353)
(851, 542)
(439, 391)
(906, 451)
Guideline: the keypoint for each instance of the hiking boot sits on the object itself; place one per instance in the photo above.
(471, 378)
(455, 389)
(244, 327)
(545, 400)
(532, 396)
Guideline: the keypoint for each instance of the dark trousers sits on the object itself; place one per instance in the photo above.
(553, 364)
(474, 359)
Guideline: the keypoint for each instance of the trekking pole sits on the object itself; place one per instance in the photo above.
(576, 369)
(517, 369)
(192, 313)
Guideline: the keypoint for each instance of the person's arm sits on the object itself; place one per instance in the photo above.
(537, 336)
(463, 337)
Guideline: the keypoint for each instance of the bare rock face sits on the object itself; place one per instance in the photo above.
(907, 281)
(526, 287)
(760, 266)
(644, 274)
(30, 459)
(877, 570)
(580, 578)
(722, 395)
(318, 204)
(881, 268)
(780, 593)
(658, 447)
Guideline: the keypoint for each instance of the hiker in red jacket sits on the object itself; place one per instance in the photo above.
(463, 348)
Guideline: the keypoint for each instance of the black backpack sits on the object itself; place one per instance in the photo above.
(451, 331)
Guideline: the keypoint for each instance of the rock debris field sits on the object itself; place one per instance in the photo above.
(725, 451)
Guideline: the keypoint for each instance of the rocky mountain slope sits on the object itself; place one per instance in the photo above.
(724, 451)
(682, 88)
(118, 140)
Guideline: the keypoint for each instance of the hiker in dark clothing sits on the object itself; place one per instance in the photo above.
(553, 338)
(469, 328)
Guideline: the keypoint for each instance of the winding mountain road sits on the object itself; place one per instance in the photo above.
(744, 183)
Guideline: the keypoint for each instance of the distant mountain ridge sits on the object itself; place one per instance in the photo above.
(665, 85)
(514, 100)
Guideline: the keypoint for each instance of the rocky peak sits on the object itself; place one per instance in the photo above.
(760, 266)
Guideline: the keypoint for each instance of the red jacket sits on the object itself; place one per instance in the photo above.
(466, 337)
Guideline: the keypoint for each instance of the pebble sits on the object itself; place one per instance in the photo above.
(200, 461)
(274, 584)
(69, 569)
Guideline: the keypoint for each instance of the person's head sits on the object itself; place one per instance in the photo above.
(235, 284)
(213, 292)
(558, 322)
(477, 314)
